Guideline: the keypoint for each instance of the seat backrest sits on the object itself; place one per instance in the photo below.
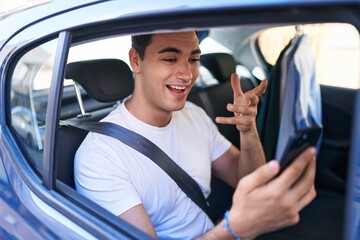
(105, 80)
(69, 140)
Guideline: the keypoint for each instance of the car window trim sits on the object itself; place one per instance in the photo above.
(52, 111)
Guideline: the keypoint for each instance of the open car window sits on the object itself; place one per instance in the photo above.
(29, 96)
(336, 47)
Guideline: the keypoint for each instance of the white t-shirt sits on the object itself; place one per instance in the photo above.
(117, 177)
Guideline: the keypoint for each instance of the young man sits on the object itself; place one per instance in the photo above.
(134, 188)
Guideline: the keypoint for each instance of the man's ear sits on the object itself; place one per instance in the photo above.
(135, 61)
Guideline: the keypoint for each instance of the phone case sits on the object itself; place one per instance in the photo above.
(297, 144)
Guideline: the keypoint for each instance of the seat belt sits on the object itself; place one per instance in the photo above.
(143, 145)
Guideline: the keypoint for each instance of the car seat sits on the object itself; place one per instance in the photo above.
(105, 80)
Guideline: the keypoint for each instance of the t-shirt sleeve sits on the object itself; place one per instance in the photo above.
(101, 179)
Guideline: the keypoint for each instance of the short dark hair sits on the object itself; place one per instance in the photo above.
(140, 43)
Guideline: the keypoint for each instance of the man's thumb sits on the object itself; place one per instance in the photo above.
(260, 176)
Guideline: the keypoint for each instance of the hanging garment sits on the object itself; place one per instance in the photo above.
(268, 118)
(301, 98)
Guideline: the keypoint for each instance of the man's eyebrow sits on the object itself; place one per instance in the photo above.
(170, 49)
(178, 51)
(197, 51)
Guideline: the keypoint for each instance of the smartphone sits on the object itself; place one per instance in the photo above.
(303, 139)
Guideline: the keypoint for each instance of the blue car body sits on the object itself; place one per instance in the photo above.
(30, 206)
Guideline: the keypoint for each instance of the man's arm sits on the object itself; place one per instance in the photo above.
(262, 201)
(235, 164)
(265, 202)
(138, 217)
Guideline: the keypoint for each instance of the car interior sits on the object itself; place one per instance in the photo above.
(98, 84)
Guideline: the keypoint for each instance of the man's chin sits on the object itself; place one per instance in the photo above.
(178, 107)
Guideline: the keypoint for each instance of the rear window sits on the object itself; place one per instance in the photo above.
(336, 47)
(30, 84)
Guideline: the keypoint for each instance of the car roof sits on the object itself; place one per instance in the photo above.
(14, 22)
(34, 13)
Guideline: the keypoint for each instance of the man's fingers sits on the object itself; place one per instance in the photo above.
(253, 99)
(241, 119)
(297, 168)
(259, 177)
(241, 109)
(302, 186)
(236, 86)
(261, 89)
(306, 198)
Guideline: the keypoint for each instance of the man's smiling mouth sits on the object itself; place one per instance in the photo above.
(176, 88)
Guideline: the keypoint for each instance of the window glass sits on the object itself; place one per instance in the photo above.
(336, 47)
(29, 95)
(210, 45)
(115, 47)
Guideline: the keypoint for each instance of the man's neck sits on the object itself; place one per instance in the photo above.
(147, 114)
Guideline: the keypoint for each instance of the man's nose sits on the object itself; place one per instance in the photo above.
(184, 71)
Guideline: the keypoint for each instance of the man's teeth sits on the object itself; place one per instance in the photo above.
(178, 87)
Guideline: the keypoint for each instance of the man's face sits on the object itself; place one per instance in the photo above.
(168, 70)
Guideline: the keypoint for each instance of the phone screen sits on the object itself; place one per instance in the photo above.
(297, 144)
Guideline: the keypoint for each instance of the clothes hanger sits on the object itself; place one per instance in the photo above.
(299, 29)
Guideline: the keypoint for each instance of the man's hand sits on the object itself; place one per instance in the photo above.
(264, 202)
(244, 106)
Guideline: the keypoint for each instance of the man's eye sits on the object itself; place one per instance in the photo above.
(195, 60)
(169, 59)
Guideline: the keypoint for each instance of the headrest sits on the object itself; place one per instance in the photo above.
(221, 65)
(106, 80)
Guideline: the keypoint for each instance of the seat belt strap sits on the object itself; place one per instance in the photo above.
(153, 152)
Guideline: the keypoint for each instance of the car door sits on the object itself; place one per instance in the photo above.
(32, 178)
